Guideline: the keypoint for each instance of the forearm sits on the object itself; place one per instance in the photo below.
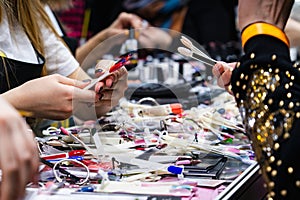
(85, 49)
(79, 74)
(17, 98)
(275, 12)
(266, 86)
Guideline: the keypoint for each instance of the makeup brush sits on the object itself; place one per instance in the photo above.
(187, 52)
(186, 42)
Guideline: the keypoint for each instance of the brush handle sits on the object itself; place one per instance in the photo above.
(204, 60)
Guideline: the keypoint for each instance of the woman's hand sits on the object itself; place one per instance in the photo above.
(223, 71)
(123, 23)
(112, 89)
(153, 37)
(49, 97)
(119, 27)
(18, 153)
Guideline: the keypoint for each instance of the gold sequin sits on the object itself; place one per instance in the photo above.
(238, 64)
(289, 95)
(290, 170)
(298, 184)
(291, 105)
(272, 159)
(281, 103)
(272, 87)
(242, 76)
(286, 86)
(276, 146)
(274, 173)
(283, 192)
(237, 83)
(279, 162)
(298, 114)
(274, 57)
(272, 194)
(229, 88)
(286, 135)
(270, 101)
(269, 169)
(252, 55)
(271, 184)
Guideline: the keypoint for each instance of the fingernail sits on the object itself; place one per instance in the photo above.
(86, 80)
(100, 90)
(98, 70)
(90, 104)
(101, 97)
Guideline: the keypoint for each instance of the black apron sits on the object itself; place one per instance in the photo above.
(14, 73)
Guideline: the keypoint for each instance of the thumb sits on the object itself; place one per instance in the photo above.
(73, 82)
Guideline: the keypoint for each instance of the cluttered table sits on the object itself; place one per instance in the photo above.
(172, 136)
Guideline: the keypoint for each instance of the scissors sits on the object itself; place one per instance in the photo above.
(121, 62)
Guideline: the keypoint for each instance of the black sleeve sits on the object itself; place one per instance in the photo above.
(266, 85)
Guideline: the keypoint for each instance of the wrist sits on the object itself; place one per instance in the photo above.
(17, 100)
(262, 28)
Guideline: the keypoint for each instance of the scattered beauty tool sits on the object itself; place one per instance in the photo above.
(64, 155)
(66, 132)
(113, 68)
(188, 53)
(195, 53)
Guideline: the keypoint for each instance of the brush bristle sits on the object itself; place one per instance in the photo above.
(188, 41)
(184, 51)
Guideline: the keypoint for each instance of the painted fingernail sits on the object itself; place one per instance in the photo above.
(100, 90)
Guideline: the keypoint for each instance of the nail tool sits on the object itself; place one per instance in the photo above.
(120, 63)
(187, 52)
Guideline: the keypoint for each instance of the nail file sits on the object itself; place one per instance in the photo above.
(120, 63)
(94, 81)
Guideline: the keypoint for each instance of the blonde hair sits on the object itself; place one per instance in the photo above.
(26, 13)
(59, 5)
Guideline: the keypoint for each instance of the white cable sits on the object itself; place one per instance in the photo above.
(71, 160)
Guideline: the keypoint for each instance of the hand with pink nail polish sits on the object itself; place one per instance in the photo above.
(112, 88)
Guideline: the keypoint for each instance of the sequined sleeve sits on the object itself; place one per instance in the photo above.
(266, 86)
